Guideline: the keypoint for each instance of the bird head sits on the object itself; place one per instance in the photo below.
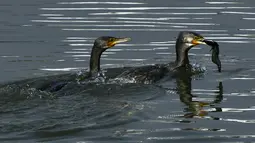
(106, 42)
(190, 39)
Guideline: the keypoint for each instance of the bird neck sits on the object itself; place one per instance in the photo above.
(95, 59)
(182, 58)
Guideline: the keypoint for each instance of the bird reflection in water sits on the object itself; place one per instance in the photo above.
(195, 108)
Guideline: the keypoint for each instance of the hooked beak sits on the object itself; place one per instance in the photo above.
(122, 40)
(198, 41)
(117, 41)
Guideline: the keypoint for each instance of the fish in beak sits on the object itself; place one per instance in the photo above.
(215, 53)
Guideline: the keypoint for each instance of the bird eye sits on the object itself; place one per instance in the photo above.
(111, 39)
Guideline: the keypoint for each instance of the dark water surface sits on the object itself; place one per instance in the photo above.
(48, 37)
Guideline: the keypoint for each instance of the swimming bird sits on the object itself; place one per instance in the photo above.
(152, 73)
(100, 45)
(57, 82)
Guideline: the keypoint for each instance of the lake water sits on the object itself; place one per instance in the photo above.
(51, 37)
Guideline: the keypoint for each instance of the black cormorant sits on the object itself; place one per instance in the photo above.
(100, 45)
(57, 82)
(153, 73)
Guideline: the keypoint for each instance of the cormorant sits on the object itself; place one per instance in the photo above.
(57, 82)
(153, 73)
(100, 45)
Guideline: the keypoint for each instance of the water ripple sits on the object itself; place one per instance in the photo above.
(223, 2)
(137, 22)
(201, 137)
(92, 29)
(236, 12)
(155, 13)
(229, 38)
(239, 121)
(117, 3)
(247, 18)
(51, 14)
(145, 8)
(60, 69)
(123, 18)
(121, 25)
(242, 78)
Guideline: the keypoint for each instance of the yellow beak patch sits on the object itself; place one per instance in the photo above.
(197, 41)
(113, 41)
